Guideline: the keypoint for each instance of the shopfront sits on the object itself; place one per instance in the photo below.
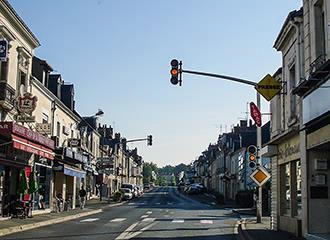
(20, 146)
(316, 119)
(68, 175)
(290, 182)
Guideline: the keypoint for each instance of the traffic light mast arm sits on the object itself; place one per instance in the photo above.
(137, 140)
(220, 76)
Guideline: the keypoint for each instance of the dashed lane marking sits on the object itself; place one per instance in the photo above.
(144, 216)
(118, 220)
(177, 221)
(206, 221)
(149, 212)
(131, 203)
(149, 220)
(158, 203)
(90, 220)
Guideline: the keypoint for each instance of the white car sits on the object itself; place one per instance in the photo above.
(128, 195)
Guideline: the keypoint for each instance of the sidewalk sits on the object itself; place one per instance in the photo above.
(251, 230)
(93, 206)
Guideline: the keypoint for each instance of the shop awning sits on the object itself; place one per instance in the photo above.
(74, 172)
(28, 146)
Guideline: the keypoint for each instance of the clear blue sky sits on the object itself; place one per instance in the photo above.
(117, 54)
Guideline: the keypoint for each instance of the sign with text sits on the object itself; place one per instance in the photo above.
(44, 128)
(255, 114)
(74, 142)
(27, 104)
(268, 87)
(3, 50)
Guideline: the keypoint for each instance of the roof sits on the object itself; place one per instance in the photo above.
(289, 18)
(44, 62)
(21, 21)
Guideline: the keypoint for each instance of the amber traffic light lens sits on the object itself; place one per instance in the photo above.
(174, 72)
(252, 158)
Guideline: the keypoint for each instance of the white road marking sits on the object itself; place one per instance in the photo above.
(118, 220)
(144, 216)
(177, 221)
(170, 203)
(158, 203)
(131, 203)
(90, 220)
(149, 212)
(148, 219)
(207, 221)
(124, 234)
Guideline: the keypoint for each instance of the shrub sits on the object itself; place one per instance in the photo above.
(118, 196)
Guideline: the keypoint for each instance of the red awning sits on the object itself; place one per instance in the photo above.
(28, 146)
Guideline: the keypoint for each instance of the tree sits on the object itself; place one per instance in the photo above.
(147, 172)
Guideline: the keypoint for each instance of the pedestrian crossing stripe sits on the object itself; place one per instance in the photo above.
(144, 216)
(118, 220)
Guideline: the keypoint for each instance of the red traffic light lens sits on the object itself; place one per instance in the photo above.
(174, 71)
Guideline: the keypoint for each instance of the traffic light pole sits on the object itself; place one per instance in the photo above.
(259, 134)
(259, 143)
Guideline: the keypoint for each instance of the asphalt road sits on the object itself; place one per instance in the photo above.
(163, 213)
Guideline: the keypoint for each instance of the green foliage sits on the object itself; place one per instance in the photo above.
(147, 172)
(118, 196)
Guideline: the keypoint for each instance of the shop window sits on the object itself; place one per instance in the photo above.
(298, 187)
(285, 189)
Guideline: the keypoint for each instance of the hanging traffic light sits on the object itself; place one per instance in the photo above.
(174, 72)
(149, 140)
(252, 155)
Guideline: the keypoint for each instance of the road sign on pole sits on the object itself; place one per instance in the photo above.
(268, 87)
(255, 114)
(260, 176)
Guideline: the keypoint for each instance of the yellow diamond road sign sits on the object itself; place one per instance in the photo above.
(268, 87)
(260, 176)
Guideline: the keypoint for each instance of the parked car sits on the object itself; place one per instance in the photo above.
(140, 190)
(128, 185)
(193, 189)
(127, 193)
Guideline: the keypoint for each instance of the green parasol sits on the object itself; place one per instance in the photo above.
(33, 184)
(23, 187)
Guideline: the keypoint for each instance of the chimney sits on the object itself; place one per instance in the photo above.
(243, 123)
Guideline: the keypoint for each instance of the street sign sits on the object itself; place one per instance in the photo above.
(268, 87)
(255, 114)
(260, 176)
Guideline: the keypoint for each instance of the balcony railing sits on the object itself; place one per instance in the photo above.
(7, 95)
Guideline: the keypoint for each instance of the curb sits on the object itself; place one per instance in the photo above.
(240, 230)
(30, 226)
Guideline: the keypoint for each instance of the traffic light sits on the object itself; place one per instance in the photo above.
(252, 155)
(149, 140)
(174, 72)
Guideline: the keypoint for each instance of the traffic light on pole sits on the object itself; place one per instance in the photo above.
(174, 72)
(149, 140)
(252, 155)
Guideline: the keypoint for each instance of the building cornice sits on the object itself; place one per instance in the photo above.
(18, 21)
(36, 83)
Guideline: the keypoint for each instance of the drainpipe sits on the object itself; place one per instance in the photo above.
(295, 23)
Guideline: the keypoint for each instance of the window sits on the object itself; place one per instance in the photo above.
(3, 71)
(58, 130)
(319, 29)
(285, 189)
(71, 133)
(44, 118)
(293, 104)
(298, 187)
